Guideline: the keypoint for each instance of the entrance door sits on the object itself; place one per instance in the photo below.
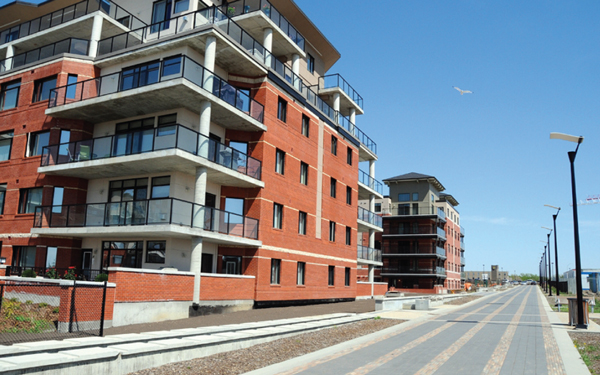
(86, 263)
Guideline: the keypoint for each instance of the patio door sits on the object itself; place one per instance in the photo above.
(86, 263)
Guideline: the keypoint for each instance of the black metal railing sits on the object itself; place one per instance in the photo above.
(146, 212)
(369, 217)
(409, 229)
(236, 8)
(368, 253)
(336, 80)
(69, 13)
(416, 209)
(69, 45)
(414, 270)
(421, 249)
(163, 138)
(70, 273)
(372, 183)
(178, 67)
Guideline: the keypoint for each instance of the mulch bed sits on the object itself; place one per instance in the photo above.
(262, 355)
(27, 317)
(588, 345)
(462, 301)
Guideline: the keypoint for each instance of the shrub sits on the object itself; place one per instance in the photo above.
(55, 310)
(28, 273)
(102, 277)
(51, 273)
(70, 274)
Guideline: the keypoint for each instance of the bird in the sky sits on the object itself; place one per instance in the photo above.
(463, 91)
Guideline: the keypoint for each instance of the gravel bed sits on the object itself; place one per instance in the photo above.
(588, 345)
(462, 301)
(262, 355)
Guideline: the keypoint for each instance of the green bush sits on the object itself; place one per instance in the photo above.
(101, 277)
(51, 273)
(55, 310)
(28, 273)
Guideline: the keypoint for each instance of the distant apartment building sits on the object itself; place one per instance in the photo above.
(422, 242)
(196, 152)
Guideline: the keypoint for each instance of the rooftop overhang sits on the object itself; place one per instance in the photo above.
(346, 103)
(18, 12)
(369, 262)
(431, 180)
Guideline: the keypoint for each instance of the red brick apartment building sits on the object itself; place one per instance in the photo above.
(422, 241)
(200, 154)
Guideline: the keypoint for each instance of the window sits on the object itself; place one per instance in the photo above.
(282, 110)
(333, 187)
(51, 257)
(348, 195)
(128, 190)
(310, 63)
(348, 236)
(127, 254)
(170, 66)
(332, 231)
(5, 144)
(9, 95)
(300, 273)
(57, 199)
(155, 251)
(2, 198)
(181, 5)
(305, 126)
(24, 256)
(403, 197)
(29, 199)
(235, 206)
(279, 161)
(140, 75)
(333, 145)
(275, 270)
(347, 276)
(42, 89)
(277, 216)
(331, 274)
(160, 187)
(161, 12)
(37, 141)
(303, 173)
(302, 222)
(232, 265)
(415, 196)
(71, 86)
(377, 207)
(349, 156)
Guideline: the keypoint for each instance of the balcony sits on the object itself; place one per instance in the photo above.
(462, 245)
(349, 98)
(411, 251)
(238, 53)
(368, 255)
(415, 231)
(256, 15)
(368, 220)
(420, 209)
(71, 45)
(159, 150)
(462, 261)
(413, 271)
(69, 22)
(368, 185)
(463, 276)
(167, 217)
(462, 231)
(173, 83)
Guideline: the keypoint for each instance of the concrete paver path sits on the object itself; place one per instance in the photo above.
(506, 333)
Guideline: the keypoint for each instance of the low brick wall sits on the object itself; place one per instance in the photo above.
(215, 287)
(143, 285)
(364, 289)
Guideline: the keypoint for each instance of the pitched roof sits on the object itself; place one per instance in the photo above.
(414, 176)
(449, 198)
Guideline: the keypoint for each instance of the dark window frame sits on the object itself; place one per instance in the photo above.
(302, 222)
(3, 198)
(333, 188)
(301, 273)
(305, 130)
(347, 276)
(33, 146)
(40, 88)
(334, 142)
(25, 199)
(163, 248)
(7, 139)
(310, 63)
(282, 109)
(277, 216)
(279, 161)
(332, 225)
(348, 195)
(303, 173)
(275, 271)
(348, 236)
(331, 276)
(5, 88)
(349, 156)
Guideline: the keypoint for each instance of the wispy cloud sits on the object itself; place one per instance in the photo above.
(506, 221)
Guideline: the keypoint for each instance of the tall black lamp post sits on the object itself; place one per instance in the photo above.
(572, 154)
(549, 262)
(555, 245)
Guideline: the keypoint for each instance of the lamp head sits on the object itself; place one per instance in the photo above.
(567, 137)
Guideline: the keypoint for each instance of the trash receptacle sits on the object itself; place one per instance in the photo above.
(573, 311)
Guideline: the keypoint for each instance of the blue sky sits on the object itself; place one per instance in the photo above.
(533, 68)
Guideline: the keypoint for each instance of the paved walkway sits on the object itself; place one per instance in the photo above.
(505, 333)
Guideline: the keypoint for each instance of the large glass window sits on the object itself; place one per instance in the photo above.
(275, 271)
(6, 144)
(24, 256)
(120, 209)
(133, 137)
(161, 187)
(161, 12)
(51, 257)
(277, 216)
(122, 254)
(29, 199)
(181, 5)
(9, 95)
(403, 197)
(42, 88)
(2, 198)
(139, 76)
(37, 141)
(155, 251)
(171, 66)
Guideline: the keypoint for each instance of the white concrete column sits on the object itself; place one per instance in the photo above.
(196, 266)
(96, 34)
(371, 276)
(268, 44)
(296, 70)
(198, 221)
(10, 52)
(210, 53)
(371, 238)
(352, 119)
(336, 101)
(205, 114)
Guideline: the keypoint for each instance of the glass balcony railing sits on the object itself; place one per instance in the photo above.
(236, 8)
(420, 249)
(370, 217)
(462, 246)
(336, 80)
(70, 45)
(462, 231)
(417, 229)
(416, 209)
(441, 232)
(413, 270)
(67, 14)
(149, 140)
(171, 68)
(440, 270)
(146, 212)
(369, 181)
(463, 276)
(368, 253)
(462, 261)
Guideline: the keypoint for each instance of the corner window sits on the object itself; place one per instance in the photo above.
(302, 222)
(275, 271)
(310, 63)
(277, 216)
(348, 195)
(282, 110)
(9, 94)
(42, 89)
(349, 156)
(5, 145)
(332, 231)
(333, 187)
(2, 198)
(331, 276)
(305, 126)
(301, 271)
(333, 145)
(279, 161)
(37, 141)
(155, 251)
(29, 199)
(303, 173)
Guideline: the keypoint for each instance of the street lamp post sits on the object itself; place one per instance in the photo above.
(572, 155)
(549, 263)
(555, 245)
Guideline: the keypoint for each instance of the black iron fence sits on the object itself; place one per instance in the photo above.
(43, 310)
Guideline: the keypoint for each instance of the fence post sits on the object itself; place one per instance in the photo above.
(103, 308)
(1, 296)
(71, 313)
